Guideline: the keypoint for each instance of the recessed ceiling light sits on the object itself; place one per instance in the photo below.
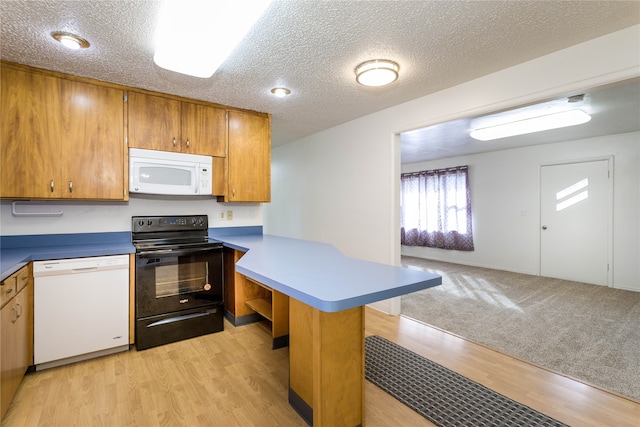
(280, 92)
(377, 72)
(70, 41)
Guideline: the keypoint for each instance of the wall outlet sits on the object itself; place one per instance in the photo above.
(229, 215)
(222, 215)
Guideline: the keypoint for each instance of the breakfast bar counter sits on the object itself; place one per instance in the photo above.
(327, 292)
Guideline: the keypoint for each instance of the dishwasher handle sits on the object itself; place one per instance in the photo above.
(79, 265)
(84, 269)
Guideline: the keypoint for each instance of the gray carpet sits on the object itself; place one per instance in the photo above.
(444, 397)
(587, 332)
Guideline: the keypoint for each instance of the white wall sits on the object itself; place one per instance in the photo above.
(505, 184)
(96, 217)
(335, 187)
(341, 185)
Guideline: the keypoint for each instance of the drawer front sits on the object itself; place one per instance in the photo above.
(8, 289)
(22, 279)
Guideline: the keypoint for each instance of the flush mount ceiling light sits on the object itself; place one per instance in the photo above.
(533, 124)
(280, 92)
(377, 72)
(195, 37)
(70, 41)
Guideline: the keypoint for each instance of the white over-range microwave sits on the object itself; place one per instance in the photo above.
(163, 172)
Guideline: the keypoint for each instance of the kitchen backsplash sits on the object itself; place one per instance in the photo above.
(91, 217)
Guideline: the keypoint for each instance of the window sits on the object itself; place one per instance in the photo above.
(436, 209)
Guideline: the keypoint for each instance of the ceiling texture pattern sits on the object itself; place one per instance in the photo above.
(312, 48)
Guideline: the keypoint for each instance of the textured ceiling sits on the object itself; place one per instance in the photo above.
(312, 48)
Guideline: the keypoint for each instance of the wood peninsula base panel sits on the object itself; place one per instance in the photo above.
(326, 359)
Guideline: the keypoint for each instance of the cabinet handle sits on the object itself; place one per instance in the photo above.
(15, 314)
(51, 185)
(188, 144)
(174, 142)
(9, 292)
(18, 313)
(70, 186)
(233, 192)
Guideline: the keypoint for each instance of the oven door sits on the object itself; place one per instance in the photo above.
(179, 279)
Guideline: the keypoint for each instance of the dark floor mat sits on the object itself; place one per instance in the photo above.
(442, 396)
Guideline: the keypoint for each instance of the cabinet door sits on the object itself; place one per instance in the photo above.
(92, 143)
(8, 289)
(204, 130)
(14, 347)
(30, 135)
(249, 158)
(154, 122)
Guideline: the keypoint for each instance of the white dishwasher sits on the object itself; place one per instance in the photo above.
(81, 309)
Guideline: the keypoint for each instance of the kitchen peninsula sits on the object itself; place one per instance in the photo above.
(327, 292)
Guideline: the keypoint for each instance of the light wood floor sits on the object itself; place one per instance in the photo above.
(232, 378)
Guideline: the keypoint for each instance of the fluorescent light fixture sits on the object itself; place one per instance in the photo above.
(377, 72)
(195, 37)
(533, 124)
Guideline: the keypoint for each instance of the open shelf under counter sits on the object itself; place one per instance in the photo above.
(249, 301)
(262, 306)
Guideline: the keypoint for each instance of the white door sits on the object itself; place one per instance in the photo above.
(575, 209)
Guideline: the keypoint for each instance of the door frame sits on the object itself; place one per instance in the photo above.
(610, 161)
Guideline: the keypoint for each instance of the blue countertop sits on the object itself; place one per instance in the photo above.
(13, 259)
(315, 273)
(16, 251)
(321, 276)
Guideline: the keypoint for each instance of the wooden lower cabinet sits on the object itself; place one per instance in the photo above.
(16, 335)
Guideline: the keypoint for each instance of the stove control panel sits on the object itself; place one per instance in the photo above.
(144, 224)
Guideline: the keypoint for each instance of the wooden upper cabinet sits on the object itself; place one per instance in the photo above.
(204, 130)
(166, 124)
(61, 138)
(154, 122)
(249, 158)
(92, 146)
(29, 145)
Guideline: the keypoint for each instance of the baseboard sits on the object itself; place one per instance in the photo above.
(470, 264)
(242, 320)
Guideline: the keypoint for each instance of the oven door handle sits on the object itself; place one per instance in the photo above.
(159, 251)
(177, 252)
